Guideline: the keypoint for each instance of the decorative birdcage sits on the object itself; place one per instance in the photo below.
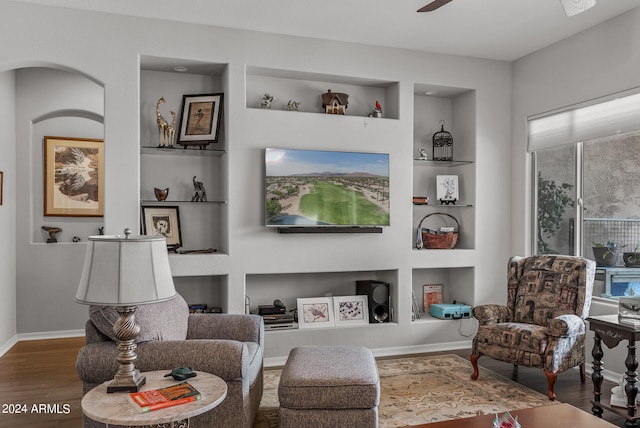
(442, 145)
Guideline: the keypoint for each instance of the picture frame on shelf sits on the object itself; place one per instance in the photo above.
(73, 177)
(200, 119)
(165, 221)
(350, 310)
(447, 188)
(315, 312)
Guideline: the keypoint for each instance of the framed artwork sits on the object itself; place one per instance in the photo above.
(165, 221)
(351, 310)
(73, 177)
(1, 177)
(447, 188)
(315, 312)
(200, 119)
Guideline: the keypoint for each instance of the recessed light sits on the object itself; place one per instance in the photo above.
(180, 68)
(431, 92)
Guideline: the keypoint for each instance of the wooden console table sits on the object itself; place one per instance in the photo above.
(609, 330)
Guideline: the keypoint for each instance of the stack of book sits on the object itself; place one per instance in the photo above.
(154, 399)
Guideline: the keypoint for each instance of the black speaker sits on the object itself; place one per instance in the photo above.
(378, 298)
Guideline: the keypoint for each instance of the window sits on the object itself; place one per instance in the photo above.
(587, 177)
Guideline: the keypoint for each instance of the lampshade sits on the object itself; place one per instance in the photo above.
(125, 271)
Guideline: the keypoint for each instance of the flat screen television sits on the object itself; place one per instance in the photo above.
(332, 189)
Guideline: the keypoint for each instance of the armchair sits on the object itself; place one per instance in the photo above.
(230, 346)
(543, 323)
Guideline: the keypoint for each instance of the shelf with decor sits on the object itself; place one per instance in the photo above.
(180, 151)
(342, 299)
(363, 95)
(175, 168)
(451, 285)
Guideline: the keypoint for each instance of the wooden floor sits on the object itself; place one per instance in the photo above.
(38, 378)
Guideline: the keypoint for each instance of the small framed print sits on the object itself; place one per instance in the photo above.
(163, 221)
(350, 310)
(1, 178)
(315, 312)
(73, 177)
(447, 188)
(200, 119)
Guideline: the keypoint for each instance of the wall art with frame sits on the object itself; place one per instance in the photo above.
(1, 183)
(73, 177)
(200, 119)
(315, 312)
(447, 188)
(165, 221)
(350, 310)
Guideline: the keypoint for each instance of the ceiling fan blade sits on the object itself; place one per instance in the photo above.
(574, 7)
(433, 5)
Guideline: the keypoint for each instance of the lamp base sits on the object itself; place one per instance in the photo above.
(127, 384)
(125, 329)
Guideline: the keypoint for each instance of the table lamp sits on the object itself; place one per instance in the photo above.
(123, 272)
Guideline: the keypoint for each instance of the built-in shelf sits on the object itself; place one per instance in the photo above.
(442, 206)
(154, 202)
(177, 150)
(427, 162)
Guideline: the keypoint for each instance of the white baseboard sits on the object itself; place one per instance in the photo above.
(51, 335)
(8, 345)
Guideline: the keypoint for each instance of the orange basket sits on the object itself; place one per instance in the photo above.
(434, 239)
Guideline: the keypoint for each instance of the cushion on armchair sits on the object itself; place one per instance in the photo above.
(158, 321)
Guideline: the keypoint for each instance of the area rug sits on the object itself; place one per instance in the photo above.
(424, 389)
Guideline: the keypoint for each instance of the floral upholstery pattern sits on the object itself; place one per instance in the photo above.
(543, 323)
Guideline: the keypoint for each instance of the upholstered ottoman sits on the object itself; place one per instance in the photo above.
(329, 386)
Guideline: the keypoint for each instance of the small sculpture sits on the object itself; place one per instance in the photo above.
(423, 154)
(165, 134)
(52, 231)
(335, 102)
(76, 239)
(161, 194)
(266, 101)
(377, 111)
(293, 105)
(101, 230)
(200, 194)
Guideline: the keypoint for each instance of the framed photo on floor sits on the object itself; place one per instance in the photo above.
(350, 310)
(315, 312)
(200, 119)
(165, 221)
(73, 177)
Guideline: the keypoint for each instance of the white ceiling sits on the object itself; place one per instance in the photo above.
(495, 29)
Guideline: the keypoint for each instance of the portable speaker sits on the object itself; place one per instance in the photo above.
(378, 298)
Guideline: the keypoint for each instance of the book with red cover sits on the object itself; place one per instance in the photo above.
(160, 398)
(432, 294)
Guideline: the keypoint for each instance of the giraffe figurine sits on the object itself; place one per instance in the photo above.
(171, 130)
(162, 124)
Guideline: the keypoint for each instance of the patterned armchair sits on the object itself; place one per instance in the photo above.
(543, 323)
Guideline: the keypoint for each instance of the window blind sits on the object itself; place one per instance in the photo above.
(612, 117)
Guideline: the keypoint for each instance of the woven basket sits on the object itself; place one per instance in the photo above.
(432, 239)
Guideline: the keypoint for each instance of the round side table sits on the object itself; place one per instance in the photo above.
(115, 408)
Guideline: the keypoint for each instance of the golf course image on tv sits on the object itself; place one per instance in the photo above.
(326, 188)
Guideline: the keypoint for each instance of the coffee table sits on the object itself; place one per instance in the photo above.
(554, 416)
(115, 408)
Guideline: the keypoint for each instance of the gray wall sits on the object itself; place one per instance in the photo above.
(106, 49)
(595, 63)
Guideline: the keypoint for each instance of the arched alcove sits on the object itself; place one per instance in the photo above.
(50, 100)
